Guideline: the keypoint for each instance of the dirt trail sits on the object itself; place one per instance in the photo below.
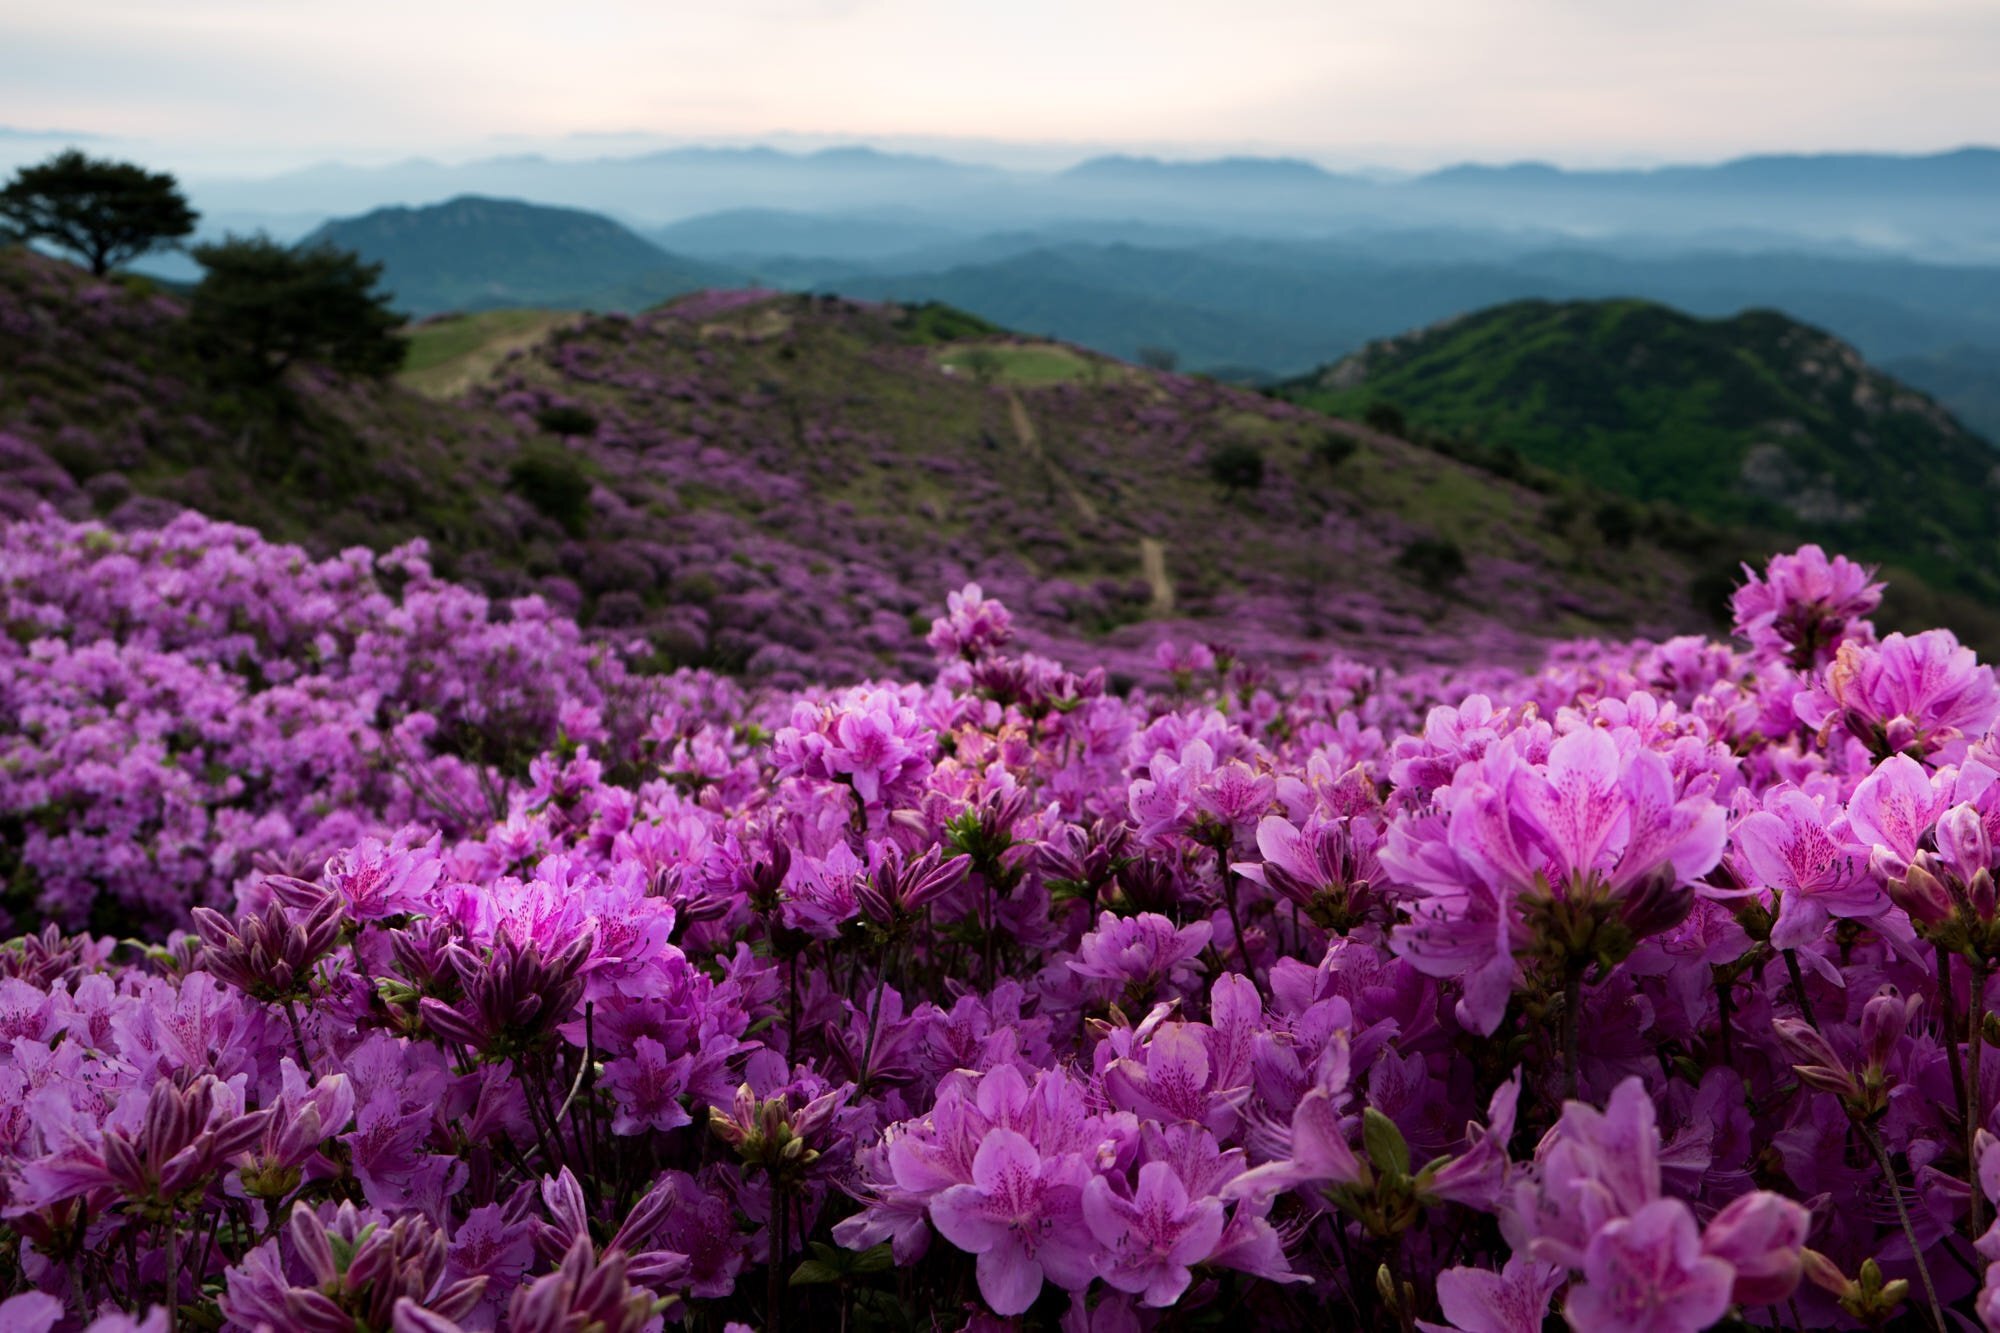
(460, 374)
(1153, 559)
(1031, 442)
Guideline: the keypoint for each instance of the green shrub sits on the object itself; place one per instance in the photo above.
(1333, 449)
(1387, 418)
(936, 322)
(555, 484)
(566, 420)
(1237, 467)
(1617, 522)
(1435, 562)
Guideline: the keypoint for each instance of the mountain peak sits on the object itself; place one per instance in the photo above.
(474, 252)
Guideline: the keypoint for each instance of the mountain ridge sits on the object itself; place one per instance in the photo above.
(474, 252)
(773, 483)
(1755, 419)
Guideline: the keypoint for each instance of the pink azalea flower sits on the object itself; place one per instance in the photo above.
(1023, 1216)
(1760, 1236)
(1647, 1274)
(1175, 1083)
(1804, 606)
(1893, 807)
(1513, 1300)
(972, 627)
(1921, 695)
(1596, 823)
(647, 1087)
(1791, 848)
(1155, 1237)
(1316, 1153)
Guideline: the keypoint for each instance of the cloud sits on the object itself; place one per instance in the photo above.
(1413, 82)
(51, 136)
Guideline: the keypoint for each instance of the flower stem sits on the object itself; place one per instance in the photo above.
(1946, 1007)
(1888, 1168)
(1799, 988)
(1235, 920)
(1572, 1023)
(298, 1037)
(1975, 1107)
(874, 1023)
(173, 1275)
(774, 1280)
(1725, 1011)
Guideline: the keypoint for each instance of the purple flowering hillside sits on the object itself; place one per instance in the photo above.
(395, 958)
(779, 487)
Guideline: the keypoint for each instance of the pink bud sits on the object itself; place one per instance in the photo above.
(1884, 1019)
(1963, 841)
(1919, 893)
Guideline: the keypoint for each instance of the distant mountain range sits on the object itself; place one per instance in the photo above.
(1252, 308)
(1753, 421)
(1939, 206)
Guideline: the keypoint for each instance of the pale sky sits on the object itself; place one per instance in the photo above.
(227, 86)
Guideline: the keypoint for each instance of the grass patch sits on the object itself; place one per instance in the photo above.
(1023, 364)
(449, 353)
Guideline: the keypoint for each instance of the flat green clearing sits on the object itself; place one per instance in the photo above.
(1026, 364)
(449, 354)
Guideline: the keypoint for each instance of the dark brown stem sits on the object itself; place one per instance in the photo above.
(1975, 1108)
(173, 1276)
(1946, 1007)
(1799, 988)
(1235, 920)
(774, 1280)
(1888, 1168)
(1726, 1010)
(298, 1037)
(1572, 1024)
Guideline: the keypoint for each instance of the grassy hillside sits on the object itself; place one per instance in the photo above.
(777, 484)
(481, 254)
(1757, 421)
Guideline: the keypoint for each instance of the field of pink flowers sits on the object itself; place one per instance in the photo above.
(389, 958)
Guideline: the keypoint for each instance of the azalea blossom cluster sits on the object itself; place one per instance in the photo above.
(183, 705)
(1645, 990)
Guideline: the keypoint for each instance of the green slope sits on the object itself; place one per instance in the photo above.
(1756, 421)
(788, 483)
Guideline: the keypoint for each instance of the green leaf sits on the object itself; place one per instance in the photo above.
(813, 1273)
(1384, 1142)
(1431, 1168)
(875, 1259)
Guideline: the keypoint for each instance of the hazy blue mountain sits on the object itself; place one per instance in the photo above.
(1061, 294)
(472, 253)
(735, 235)
(1940, 206)
(1965, 377)
(1209, 173)
(1266, 304)
(1964, 170)
(648, 189)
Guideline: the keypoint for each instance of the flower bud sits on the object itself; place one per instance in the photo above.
(1963, 842)
(1917, 892)
(1824, 1273)
(1884, 1020)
